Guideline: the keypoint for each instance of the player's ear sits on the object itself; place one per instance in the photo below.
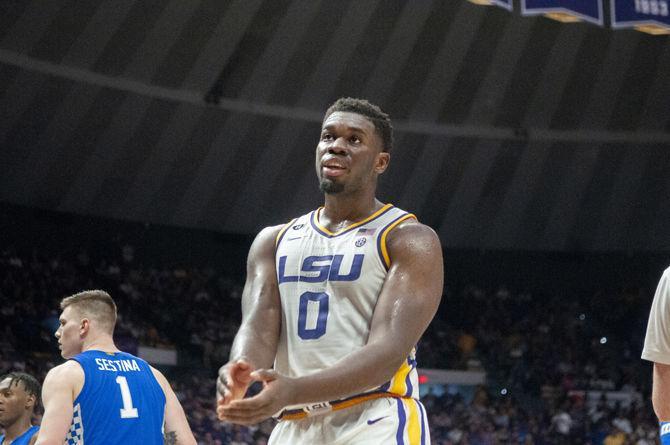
(382, 162)
(85, 326)
(31, 400)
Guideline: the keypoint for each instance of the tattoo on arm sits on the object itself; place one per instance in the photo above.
(170, 438)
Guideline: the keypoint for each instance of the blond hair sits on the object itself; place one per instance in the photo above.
(95, 304)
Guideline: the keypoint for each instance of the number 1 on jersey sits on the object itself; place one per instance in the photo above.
(127, 412)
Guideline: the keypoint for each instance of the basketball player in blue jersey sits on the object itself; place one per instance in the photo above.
(100, 395)
(19, 396)
(335, 302)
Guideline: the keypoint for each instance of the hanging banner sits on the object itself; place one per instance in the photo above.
(507, 4)
(650, 16)
(566, 10)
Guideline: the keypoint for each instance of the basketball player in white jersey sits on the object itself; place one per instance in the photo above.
(657, 349)
(335, 302)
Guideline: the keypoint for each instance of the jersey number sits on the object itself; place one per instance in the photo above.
(320, 298)
(127, 412)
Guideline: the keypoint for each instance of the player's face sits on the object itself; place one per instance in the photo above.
(14, 402)
(349, 155)
(69, 333)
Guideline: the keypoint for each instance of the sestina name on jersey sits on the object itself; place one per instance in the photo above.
(116, 365)
(318, 269)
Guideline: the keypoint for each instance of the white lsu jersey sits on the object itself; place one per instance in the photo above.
(329, 284)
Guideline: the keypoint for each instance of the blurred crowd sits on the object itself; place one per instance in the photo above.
(546, 354)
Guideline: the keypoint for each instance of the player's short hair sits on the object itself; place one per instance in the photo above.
(379, 119)
(30, 384)
(96, 304)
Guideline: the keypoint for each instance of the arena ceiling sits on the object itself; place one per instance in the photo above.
(512, 132)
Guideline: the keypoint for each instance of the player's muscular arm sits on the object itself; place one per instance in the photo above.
(407, 303)
(61, 386)
(176, 429)
(255, 344)
(258, 335)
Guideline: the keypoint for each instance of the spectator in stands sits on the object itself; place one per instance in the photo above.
(516, 342)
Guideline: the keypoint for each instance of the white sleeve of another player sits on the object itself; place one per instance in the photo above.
(657, 341)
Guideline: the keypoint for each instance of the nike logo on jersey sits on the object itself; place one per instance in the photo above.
(373, 421)
(317, 269)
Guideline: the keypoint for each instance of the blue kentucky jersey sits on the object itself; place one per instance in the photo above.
(121, 402)
(23, 439)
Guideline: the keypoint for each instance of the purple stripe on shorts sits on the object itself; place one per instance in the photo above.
(423, 423)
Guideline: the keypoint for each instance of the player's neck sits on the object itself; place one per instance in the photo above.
(103, 343)
(15, 430)
(347, 209)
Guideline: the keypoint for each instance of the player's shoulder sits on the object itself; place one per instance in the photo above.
(411, 239)
(664, 281)
(67, 372)
(296, 223)
(160, 378)
(270, 235)
(411, 230)
(265, 241)
(159, 375)
(270, 232)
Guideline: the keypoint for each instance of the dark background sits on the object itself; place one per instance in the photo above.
(513, 133)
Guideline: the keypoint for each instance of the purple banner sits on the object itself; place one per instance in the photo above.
(507, 4)
(641, 13)
(587, 10)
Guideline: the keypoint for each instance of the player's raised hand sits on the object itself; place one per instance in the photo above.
(276, 394)
(233, 382)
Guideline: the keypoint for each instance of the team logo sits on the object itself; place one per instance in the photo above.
(320, 268)
(360, 242)
(298, 226)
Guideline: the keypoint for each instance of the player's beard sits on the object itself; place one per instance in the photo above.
(330, 187)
